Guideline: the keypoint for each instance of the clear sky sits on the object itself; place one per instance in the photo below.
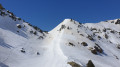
(47, 14)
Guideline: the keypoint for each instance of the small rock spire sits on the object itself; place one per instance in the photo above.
(1, 7)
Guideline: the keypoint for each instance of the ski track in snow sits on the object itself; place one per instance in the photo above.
(55, 53)
(53, 57)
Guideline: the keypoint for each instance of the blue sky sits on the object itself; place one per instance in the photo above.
(47, 14)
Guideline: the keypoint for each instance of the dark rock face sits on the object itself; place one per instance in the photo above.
(98, 48)
(84, 44)
(71, 44)
(73, 64)
(23, 50)
(94, 51)
(118, 21)
(90, 37)
(106, 36)
(90, 64)
(104, 30)
(62, 27)
(1, 7)
(118, 46)
(19, 26)
(99, 37)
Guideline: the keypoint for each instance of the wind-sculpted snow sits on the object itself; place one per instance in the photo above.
(70, 44)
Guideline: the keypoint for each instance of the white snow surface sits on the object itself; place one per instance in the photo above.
(21, 48)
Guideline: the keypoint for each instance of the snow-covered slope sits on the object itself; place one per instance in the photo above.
(70, 44)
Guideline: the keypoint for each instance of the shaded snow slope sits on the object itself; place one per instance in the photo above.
(24, 45)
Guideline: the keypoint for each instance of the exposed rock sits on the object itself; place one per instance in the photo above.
(118, 46)
(90, 37)
(62, 27)
(90, 64)
(19, 26)
(1, 7)
(94, 51)
(74, 64)
(117, 22)
(71, 44)
(106, 36)
(84, 44)
(23, 50)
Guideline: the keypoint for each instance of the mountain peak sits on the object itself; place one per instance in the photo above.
(66, 20)
(67, 45)
(70, 21)
(66, 24)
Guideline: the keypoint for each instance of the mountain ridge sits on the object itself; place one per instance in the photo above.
(70, 44)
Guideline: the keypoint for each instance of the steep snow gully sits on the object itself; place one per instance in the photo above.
(55, 56)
